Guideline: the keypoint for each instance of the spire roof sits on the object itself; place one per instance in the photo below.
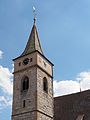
(33, 43)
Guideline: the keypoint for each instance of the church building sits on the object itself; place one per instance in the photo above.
(33, 88)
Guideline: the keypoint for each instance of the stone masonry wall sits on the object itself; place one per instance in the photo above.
(26, 116)
(29, 96)
(44, 100)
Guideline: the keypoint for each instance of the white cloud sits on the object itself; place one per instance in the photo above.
(85, 80)
(1, 54)
(69, 86)
(6, 86)
(65, 87)
(6, 80)
(4, 102)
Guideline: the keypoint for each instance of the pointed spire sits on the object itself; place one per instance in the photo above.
(33, 43)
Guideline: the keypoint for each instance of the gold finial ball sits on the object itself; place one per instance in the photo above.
(34, 19)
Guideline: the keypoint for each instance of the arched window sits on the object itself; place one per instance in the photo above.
(25, 84)
(45, 85)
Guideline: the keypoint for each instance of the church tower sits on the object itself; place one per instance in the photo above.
(33, 83)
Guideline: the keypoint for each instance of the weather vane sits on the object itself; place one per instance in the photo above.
(34, 14)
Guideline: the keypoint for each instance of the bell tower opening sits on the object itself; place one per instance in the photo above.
(25, 84)
(45, 85)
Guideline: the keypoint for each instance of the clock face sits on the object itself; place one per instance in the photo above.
(25, 61)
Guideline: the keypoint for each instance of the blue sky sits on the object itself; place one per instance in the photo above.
(64, 32)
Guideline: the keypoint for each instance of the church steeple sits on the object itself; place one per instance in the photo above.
(33, 42)
(33, 83)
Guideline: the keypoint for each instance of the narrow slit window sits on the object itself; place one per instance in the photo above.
(24, 103)
(30, 59)
(19, 63)
(44, 64)
(45, 86)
